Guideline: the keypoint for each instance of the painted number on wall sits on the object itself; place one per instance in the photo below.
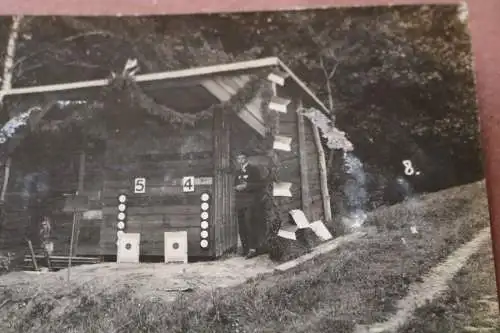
(140, 185)
(409, 169)
(188, 184)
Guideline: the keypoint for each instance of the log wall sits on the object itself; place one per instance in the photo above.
(162, 156)
(305, 179)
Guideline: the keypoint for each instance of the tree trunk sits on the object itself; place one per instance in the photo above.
(8, 68)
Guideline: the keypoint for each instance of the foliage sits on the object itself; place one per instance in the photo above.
(398, 80)
(271, 203)
(335, 139)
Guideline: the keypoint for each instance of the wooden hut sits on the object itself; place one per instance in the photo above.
(172, 161)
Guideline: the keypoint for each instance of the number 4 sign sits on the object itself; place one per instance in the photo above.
(188, 184)
(140, 185)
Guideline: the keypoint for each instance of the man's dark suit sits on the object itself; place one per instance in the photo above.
(248, 205)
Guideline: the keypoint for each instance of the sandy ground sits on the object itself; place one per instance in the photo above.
(145, 279)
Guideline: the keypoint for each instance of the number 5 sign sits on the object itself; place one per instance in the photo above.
(140, 185)
(188, 184)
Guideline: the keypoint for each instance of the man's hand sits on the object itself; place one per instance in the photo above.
(241, 187)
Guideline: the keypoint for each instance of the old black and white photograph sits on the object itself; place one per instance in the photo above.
(313, 170)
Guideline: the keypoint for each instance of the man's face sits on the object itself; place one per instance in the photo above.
(241, 160)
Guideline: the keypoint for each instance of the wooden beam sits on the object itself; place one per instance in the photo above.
(169, 75)
(325, 192)
(304, 165)
(304, 87)
(6, 176)
(81, 178)
(247, 114)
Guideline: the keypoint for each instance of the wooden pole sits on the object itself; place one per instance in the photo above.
(5, 179)
(33, 256)
(304, 168)
(81, 178)
(4, 190)
(325, 193)
(71, 245)
(8, 69)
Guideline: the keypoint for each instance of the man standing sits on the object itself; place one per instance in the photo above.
(248, 186)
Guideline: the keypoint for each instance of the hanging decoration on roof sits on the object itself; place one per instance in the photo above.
(270, 202)
(335, 138)
(123, 91)
(127, 90)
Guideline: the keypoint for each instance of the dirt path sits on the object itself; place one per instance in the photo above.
(145, 280)
(158, 281)
(432, 286)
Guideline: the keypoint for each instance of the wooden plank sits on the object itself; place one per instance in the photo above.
(5, 180)
(163, 157)
(219, 195)
(155, 210)
(169, 75)
(92, 215)
(304, 166)
(89, 234)
(176, 182)
(319, 250)
(160, 200)
(157, 191)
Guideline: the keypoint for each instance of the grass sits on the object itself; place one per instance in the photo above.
(469, 305)
(358, 283)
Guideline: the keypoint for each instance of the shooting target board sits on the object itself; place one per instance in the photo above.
(176, 247)
(128, 248)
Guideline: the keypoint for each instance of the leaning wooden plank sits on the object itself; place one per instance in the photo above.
(304, 165)
(325, 193)
(288, 232)
(320, 230)
(279, 104)
(321, 249)
(282, 189)
(33, 256)
(300, 218)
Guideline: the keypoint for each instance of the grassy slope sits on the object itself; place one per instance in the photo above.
(358, 283)
(470, 303)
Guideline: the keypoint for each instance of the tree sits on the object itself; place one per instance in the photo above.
(398, 78)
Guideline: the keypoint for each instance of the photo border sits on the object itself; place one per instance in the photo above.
(483, 23)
